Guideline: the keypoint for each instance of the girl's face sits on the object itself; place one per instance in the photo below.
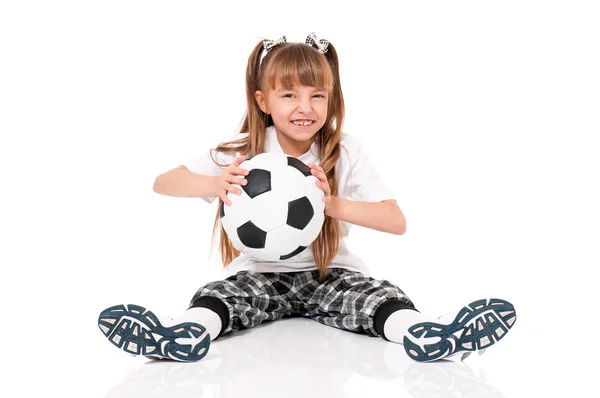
(297, 113)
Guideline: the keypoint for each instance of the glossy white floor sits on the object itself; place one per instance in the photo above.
(301, 358)
(56, 350)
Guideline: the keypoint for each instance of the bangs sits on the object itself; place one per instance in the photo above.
(297, 64)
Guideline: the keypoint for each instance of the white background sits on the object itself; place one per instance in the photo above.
(481, 116)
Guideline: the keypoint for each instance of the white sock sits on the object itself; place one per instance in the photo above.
(203, 316)
(397, 324)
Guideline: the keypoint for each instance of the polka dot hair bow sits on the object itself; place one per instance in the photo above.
(269, 44)
(321, 45)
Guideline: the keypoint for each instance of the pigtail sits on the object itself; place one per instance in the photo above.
(252, 84)
(326, 246)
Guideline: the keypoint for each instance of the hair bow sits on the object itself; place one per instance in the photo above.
(269, 44)
(321, 45)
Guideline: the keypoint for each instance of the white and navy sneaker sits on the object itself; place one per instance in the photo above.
(476, 327)
(139, 331)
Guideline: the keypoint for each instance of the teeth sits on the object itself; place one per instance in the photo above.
(302, 123)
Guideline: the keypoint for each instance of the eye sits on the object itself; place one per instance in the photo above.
(288, 95)
(319, 96)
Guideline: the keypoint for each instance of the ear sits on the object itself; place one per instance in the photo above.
(261, 101)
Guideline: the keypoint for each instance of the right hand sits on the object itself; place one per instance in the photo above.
(230, 176)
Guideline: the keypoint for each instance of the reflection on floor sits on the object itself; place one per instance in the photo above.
(301, 358)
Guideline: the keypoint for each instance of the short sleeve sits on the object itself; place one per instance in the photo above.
(364, 183)
(204, 164)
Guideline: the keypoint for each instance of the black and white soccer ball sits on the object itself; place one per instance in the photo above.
(280, 211)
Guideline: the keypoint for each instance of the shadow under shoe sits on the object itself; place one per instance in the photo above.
(161, 379)
(447, 379)
(476, 327)
(138, 331)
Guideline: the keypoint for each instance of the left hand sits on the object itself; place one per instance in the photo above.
(318, 172)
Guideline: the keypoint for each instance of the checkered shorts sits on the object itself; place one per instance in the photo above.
(345, 299)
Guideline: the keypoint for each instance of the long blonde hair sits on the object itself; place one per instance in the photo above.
(291, 64)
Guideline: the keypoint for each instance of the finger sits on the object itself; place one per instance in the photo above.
(324, 186)
(239, 160)
(235, 171)
(241, 181)
(241, 172)
(234, 190)
(320, 175)
(232, 179)
(224, 198)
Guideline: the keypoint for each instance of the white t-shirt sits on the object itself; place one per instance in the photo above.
(357, 180)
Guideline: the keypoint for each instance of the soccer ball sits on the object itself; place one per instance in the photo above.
(280, 211)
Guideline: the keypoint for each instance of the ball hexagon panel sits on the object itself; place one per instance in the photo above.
(268, 211)
(299, 213)
(289, 183)
(283, 240)
(265, 161)
(312, 230)
(239, 205)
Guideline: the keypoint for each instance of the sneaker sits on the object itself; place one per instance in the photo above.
(476, 327)
(138, 331)
(461, 355)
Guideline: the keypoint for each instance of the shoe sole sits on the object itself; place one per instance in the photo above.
(476, 327)
(138, 331)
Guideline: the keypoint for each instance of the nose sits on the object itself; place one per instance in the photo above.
(304, 105)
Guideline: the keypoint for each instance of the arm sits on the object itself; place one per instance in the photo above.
(183, 183)
(383, 216)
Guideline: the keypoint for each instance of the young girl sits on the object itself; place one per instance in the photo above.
(296, 107)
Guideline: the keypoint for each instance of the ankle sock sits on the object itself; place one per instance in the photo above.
(397, 324)
(203, 316)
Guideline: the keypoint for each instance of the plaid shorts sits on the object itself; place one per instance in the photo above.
(345, 299)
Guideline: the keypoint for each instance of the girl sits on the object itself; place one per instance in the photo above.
(295, 106)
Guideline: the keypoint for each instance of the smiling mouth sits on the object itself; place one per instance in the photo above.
(303, 122)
